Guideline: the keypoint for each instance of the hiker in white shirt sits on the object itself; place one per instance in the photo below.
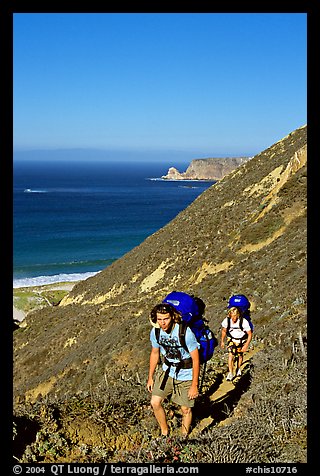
(239, 334)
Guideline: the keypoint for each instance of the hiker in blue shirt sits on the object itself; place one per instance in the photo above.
(180, 370)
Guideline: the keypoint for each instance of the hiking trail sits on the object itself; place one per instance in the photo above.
(222, 393)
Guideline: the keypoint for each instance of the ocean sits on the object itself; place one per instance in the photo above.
(73, 219)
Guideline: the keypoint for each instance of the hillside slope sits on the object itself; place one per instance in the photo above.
(245, 234)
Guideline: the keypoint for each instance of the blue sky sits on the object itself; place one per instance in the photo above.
(199, 84)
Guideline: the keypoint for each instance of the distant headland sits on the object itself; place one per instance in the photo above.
(206, 169)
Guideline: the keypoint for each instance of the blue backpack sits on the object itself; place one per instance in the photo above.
(191, 309)
(243, 304)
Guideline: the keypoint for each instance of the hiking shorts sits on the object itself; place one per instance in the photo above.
(177, 389)
(234, 346)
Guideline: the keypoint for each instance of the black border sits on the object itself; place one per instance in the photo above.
(8, 9)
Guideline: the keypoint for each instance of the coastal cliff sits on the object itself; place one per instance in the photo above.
(206, 169)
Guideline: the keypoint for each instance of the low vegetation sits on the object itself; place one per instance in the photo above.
(117, 424)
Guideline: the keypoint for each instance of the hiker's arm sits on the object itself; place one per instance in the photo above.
(223, 336)
(246, 345)
(154, 359)
(194, 390)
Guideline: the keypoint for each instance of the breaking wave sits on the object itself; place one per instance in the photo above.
(57, 278)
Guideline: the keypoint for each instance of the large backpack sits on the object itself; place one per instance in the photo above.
(242, 302)
(191, 309)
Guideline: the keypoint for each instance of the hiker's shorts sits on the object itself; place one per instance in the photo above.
(234, 346)
(178, 389)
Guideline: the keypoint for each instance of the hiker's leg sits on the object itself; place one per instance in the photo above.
(186, 420)
(180, 397)
(159, 413)
(230, 362)
(240, 359)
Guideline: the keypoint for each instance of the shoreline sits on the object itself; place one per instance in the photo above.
(57, 279)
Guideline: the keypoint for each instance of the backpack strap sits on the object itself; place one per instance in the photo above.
(157, 333)
(184, 363)
(228, 326)
(240, 326)
(182, 335)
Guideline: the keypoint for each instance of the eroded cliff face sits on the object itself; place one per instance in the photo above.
(206, 169)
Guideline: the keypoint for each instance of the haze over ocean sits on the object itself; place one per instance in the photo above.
(73, 219)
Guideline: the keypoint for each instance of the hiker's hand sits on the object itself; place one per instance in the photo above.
(244, 348)
(193, 392)
(222, 345)
(150, 384)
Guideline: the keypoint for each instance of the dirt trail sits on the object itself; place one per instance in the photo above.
(225, 391)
